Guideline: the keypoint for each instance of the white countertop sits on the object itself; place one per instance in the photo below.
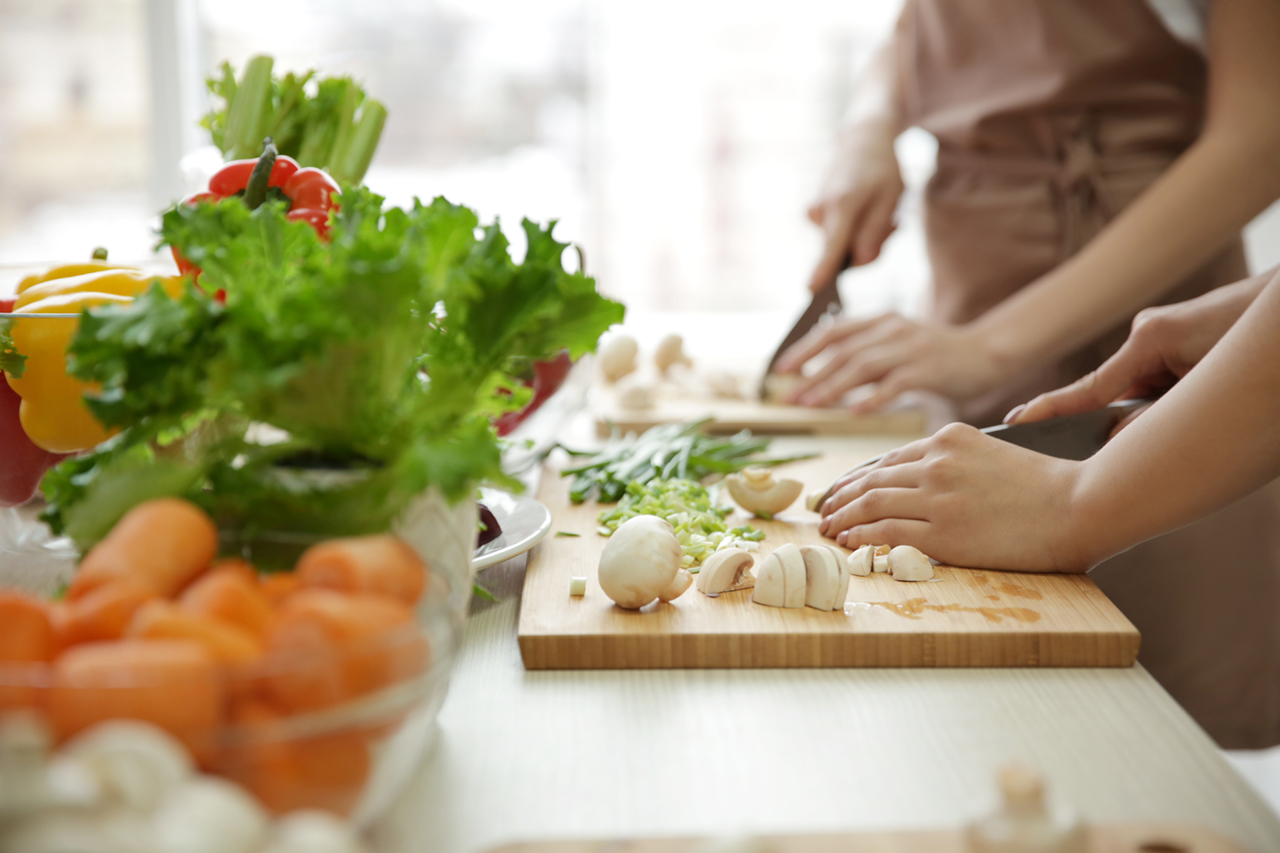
(546, 755)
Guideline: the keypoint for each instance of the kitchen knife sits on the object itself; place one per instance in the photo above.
(825, 301)
(1077, 436)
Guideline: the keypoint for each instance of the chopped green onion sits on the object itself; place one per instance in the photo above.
(698, 523)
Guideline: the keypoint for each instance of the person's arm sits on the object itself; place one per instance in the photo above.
(860, 194)
(1228, 176)
(968, 499)
(1165, 343)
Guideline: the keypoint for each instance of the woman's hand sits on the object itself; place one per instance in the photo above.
(896, 354)
(966, 499)
(1165, 343)
(856, 209)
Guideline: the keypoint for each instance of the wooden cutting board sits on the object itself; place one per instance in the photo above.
(1115, 838)
(965, 618)
(730, 416)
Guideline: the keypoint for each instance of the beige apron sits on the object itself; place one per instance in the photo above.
(1051, 117)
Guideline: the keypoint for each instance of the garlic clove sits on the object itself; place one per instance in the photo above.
(909, 564)
(679, 586)
(313, 831)
(725, 571)
(861, 562)
(138, 763)
(207, 814)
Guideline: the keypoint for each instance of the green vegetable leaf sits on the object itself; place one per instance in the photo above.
(11, 361)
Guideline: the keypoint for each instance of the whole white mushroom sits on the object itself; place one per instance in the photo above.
(617, 356)
(669, 353)
(640, 561)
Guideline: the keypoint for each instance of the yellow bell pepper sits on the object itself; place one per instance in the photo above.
(53, 413)
(66, 271)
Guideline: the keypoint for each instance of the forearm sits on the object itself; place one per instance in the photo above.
(874, 114)
(1209, 441)
(1225, 179)
(1172, 229)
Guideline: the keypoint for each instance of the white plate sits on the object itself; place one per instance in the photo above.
(524, 521)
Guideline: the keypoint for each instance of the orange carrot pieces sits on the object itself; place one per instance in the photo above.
(227, 643)
(26, 633)
(278, 586)
(326, 647)
(101, 614)
(380, 565)
(171, 683)
(227, 594)
(286, 772)
(163, 543)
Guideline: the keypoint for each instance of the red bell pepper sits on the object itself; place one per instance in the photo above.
(22, 464)
(548, 376)
(310, 191)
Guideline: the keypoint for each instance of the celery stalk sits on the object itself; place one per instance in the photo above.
(363, 142)
(246, 117)
(345, 123)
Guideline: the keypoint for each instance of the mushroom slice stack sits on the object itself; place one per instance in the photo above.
(909, 564)
(780, 580)
(826, 577)
(725, 571)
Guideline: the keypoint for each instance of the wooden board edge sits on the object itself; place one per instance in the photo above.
(1091, 650)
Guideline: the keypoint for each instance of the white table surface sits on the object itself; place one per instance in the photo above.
(599, 754)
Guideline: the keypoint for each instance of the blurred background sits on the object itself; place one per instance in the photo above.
(678, 142)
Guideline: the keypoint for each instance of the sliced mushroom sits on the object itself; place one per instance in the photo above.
(862, 561)
(780, 580)
(813, 500)
(725, 571)
(881, 562)
(618, 357)
(635, 394)
(670, 352)
(679, 586)
(824, 579)
(756, 491)
(842, 560)
(909, 564)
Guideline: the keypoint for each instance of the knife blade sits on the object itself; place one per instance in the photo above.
(825, 301)
(1076, 437)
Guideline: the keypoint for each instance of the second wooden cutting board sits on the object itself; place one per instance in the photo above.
(965, 618)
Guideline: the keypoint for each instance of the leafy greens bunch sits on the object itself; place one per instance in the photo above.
(383, 354)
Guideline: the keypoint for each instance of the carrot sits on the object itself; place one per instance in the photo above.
(226, 594)
(171, 683)
(101, 614)
(278, 586)
(227, 643)
(326, 647)
(26, 632)
(288, 772)
(163, 543)
(381, 565)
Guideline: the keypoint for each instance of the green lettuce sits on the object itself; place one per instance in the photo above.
(383, 354)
